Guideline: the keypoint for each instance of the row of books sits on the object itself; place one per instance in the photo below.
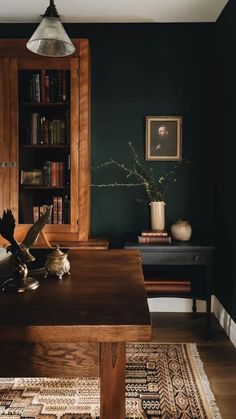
(42, 130)
(47, 86)
(54, 173)
(60, 212)
(154, 236)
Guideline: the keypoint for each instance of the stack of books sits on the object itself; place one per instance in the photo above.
(154, 236)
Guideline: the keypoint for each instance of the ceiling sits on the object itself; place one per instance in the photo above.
(120, 11)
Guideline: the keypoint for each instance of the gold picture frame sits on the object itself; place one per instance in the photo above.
(163, 138)
(33, 177)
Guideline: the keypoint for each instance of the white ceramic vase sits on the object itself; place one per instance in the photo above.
(157, 215)
(181, 230)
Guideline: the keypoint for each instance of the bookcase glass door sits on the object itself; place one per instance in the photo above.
(45, 139)
(44, 144)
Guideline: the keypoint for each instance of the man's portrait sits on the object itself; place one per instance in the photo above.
(163, 137)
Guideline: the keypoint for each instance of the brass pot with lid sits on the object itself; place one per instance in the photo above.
(57, 263)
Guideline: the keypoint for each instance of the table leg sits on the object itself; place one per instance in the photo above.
(194, 306)
(112, 374)
(208, 298)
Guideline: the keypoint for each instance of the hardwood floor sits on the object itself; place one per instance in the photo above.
(218, 355)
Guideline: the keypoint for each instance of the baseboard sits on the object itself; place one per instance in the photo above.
(225, 320)
(175, 305)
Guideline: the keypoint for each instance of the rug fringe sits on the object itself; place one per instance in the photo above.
(205, 383)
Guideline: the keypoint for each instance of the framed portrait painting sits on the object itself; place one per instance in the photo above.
(163, 138)
(33, 177)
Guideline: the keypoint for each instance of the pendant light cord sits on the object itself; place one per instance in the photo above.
(51, 11)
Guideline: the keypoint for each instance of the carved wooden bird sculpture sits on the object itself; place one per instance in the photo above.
(7, 227)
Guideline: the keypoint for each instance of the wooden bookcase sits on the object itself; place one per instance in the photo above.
(36, 93)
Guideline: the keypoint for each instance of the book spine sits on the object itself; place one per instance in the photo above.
(59, 210)
(34, 131)
(35, 213)
(154, 234)
(57, 164)
(63, 132)
(47, 93)
(168, 287)
(47, 172)
(146, 240)
(42, 86)
(54, 211)
(53, 173)
(61, 174)
(59, 86)
(22, 177)
(37, 87)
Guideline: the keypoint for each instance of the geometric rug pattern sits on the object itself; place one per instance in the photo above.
(164, 381)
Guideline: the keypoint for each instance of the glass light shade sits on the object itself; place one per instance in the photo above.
(50, 39)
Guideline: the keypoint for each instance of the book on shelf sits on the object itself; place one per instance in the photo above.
(39, 210)
(54, 173)
(160, 239)
(42, 86)
(154, 233)
(54, 209)
(163, 286)
(61, 210)
(36, 87)
(60, 213)
(47, 86)
(47, 94)
(34, 128)
(35, 213)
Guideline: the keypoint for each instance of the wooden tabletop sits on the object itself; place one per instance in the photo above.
(103, 300)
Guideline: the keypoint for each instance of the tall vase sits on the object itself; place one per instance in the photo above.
(157, 215)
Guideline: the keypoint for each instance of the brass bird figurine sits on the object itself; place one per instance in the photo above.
(20, 281)
(7, 227)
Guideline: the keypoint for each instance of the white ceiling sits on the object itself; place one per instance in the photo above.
(22, 11)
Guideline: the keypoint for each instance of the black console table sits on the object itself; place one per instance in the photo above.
(158, 258)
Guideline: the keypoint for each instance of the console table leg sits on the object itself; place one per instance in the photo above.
(208, 298)
(194, 306)
(112, 373)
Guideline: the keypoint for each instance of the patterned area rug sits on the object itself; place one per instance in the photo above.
(162, 381)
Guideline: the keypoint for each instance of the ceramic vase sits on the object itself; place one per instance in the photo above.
(181, 230)
(157, 215)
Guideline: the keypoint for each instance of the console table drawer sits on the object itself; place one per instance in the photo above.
(173, 258)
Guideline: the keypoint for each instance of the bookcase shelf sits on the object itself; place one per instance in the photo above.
(44, 104)
(35, 146)
(44, 127)
(43, 187)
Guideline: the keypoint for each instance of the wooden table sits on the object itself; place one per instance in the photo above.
(79, 326)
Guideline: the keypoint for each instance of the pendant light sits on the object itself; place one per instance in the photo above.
(50, 38)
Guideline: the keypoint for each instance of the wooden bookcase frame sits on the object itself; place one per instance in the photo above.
(14, 57)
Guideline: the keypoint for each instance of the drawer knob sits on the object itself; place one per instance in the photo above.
(196, 258)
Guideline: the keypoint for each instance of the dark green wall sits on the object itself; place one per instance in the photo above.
(143, 70)
(139, 70)
(225, 204)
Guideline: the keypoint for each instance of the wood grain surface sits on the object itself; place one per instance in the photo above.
(49, 360)
(103, 300)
